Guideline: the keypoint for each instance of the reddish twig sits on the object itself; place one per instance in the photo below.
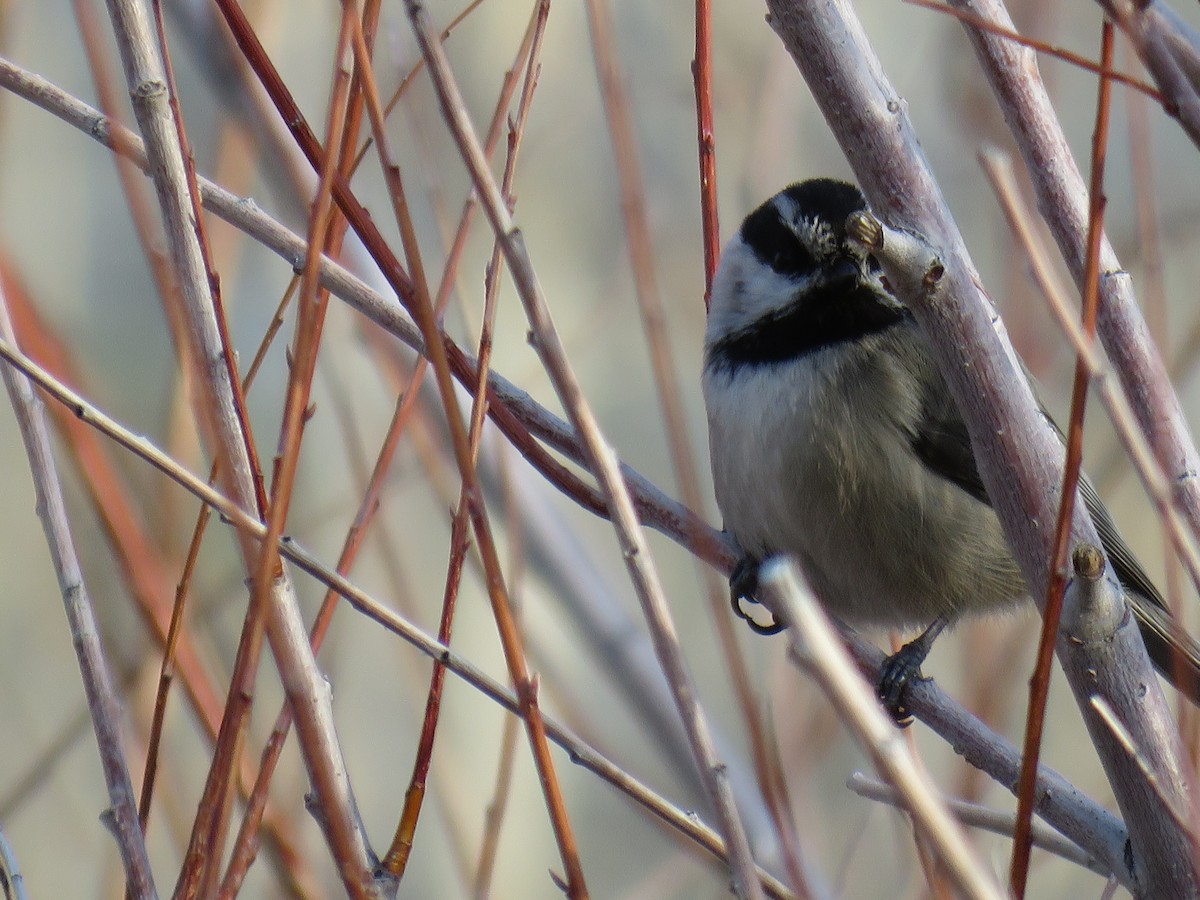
(295, 868)
(494, 815)
(1103, 69)
(510, 636)
(600, 457)
(245, 846)
(267, 570)
(221, 415)
(407, 81)
(306, 140)
(396, 859)
(706, 143)
(1039, 686)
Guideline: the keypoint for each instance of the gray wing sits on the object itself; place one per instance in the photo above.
(942, 444)
(940, 441)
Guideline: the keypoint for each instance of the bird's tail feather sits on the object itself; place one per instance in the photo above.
(1173, 650)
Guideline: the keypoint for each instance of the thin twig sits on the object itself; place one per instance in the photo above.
(979, 816)
(407, 81)
(494, 814)
(1039, 686)
(816, 644)
(510, 636)
(11, 879)
(396, 859)
(222, 415)
(601, 459)
(245, 846)
(293, 117)
(639, 245)
(1103, 69)
(706, 139)
(311, 306)
(98, 684)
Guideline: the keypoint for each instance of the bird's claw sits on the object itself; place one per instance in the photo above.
(743, 585)
(894, 676)
(903, 667)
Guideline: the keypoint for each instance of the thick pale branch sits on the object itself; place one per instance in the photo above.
(1063, 203)
(1170, 49)
(1020, 457)
(222, 415)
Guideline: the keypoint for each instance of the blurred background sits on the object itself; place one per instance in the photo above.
(66, 236)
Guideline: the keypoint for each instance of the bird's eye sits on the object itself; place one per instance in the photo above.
(790, 259)
(775, 243)
(872, 263)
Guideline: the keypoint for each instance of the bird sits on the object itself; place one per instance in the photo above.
(834, 438)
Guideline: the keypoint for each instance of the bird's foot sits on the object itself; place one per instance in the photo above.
(894, 676)
(904, 666)
(743, 585)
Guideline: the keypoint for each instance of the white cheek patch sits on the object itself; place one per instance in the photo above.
(762, 290)
(745, 291)
(788, 210)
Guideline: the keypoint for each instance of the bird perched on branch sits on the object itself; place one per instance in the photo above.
(834, 438)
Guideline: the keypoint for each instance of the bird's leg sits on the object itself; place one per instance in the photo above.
(899, 668)
(743, 585)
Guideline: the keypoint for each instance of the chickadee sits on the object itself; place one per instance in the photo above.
(834, 438)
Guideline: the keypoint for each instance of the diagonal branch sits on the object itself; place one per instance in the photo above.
(302, 680)
(1020, 457)
(98, 681)
(600, 458)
